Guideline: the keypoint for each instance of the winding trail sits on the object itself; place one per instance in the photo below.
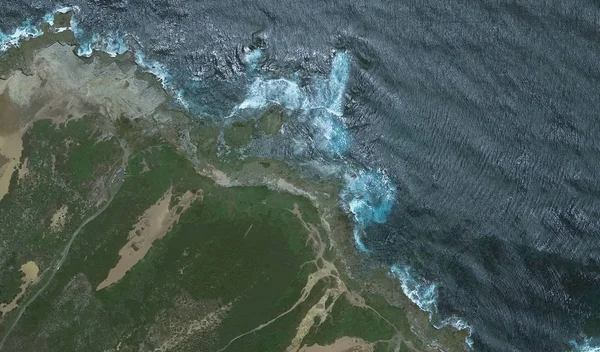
(325, 269)
(114, 185)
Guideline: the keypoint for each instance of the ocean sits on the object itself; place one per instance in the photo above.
(467, 134)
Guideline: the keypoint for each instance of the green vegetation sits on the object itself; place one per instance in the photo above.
(238, 246)
(52, 182)
(79, 152)
(84, 159)
(276, 337)
(385, 347)
(272, 120)
(10, 279)
(239, 133)
(394, 315)
(348, 320)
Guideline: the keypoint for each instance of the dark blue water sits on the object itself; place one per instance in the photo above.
(467, 133)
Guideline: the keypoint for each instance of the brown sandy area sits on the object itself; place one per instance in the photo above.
(11, 143)
(152, 225)
(31, 271)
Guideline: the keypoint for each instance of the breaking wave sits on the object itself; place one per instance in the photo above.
(369, 196)
(320, 104)
(425, 294)
(587, 345)
(252, 58)
(421, 292)
(29, 30)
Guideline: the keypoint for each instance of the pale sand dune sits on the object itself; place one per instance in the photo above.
(152, 225)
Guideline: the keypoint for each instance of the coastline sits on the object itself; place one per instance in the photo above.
(182, 132)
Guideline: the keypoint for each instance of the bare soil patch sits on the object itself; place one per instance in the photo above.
(11, 143)
(31, 271)
(152, 225)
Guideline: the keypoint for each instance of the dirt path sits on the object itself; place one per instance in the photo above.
(326, 269)
(114, 187)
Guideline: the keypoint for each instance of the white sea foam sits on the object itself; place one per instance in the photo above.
(161, 72)
(458, 324)
(113, 43)
(262, 93)
(425, 294)
(321, 103)
(421, 292)
(588, 345)
(251, 58)
(369, 197)
(338, 80)
(29, 29)
(24, 32)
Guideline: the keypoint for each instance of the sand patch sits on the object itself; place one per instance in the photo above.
(11, 143)
(344, 344)
(59, 219)
(152, 225)
(10, 149)
(284, 185)
(31, 271)
(219, 177)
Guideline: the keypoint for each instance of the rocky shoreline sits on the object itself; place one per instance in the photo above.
(45, 79)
